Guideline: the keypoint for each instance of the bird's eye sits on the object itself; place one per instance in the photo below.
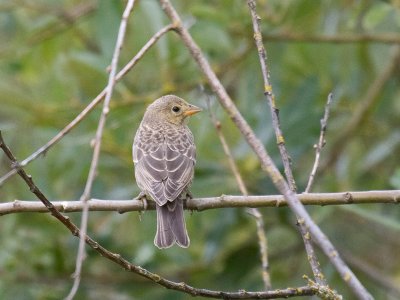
(176, 109)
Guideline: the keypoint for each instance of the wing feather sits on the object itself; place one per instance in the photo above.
(164, 164)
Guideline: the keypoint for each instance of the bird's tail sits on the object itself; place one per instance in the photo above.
(171, 227)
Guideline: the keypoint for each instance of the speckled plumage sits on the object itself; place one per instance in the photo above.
(164, 154)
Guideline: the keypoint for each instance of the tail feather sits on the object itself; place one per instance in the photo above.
(171, 227)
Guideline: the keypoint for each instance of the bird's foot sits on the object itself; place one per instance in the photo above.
(188, 196)
(142, 197)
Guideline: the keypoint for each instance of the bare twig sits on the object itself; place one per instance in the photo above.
(321, 143)
(118, 259)
(363, 109)
(262, 53)
(262, 238)
(263, 244)
(266, 162)
(202, 204)
(97, 145)
(90, 107)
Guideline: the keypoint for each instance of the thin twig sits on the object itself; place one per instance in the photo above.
(96, 150)
(263, 244)
(262, 238)
(118, 259)
(202, 204)
(81, 116)
(262, 54)
(321, 143)
(266, 162)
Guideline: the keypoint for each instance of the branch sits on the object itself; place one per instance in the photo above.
(321, 143)
(118, 259)
(42, 150)
(262, 54)
(266, 162)
(97, 145)
(202, 204)
(262, 238)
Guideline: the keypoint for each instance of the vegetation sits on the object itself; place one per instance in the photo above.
(54, 58)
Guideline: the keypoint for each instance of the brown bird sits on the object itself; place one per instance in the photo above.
(164, 155)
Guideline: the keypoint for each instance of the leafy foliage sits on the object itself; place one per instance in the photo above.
(53, 61)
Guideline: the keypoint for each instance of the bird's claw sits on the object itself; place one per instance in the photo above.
(189, 195)
(142, 197)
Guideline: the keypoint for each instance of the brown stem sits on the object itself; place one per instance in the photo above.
(321, 143)
(202, 204)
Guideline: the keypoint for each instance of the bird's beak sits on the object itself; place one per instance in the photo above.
(192, 110)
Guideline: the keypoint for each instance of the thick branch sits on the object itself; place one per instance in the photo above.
(201, 204)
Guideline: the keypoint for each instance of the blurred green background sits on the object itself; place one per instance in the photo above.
(53, 61)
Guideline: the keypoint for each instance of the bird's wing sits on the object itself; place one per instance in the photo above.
(150, 165)
(180, 161)
(164, 167)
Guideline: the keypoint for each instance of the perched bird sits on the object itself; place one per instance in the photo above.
(164, 155)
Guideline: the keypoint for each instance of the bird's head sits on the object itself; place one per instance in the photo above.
(171, 109)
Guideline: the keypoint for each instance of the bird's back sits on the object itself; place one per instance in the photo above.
(164, 157)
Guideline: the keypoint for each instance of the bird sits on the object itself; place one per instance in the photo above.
(164, 156)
